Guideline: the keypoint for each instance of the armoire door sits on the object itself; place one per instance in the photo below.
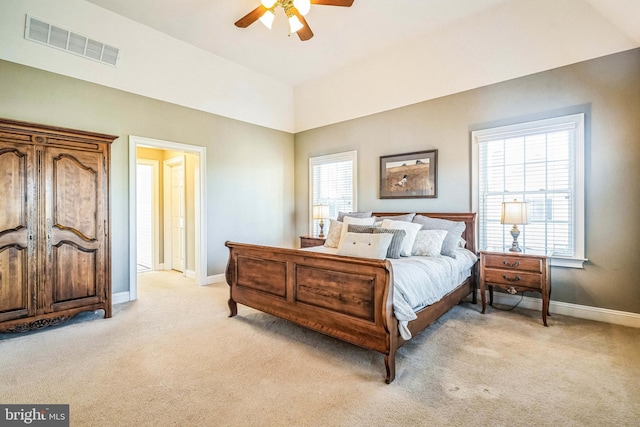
(17, 231)
(76, 213)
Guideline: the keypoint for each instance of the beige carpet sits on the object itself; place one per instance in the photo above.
(174, 358)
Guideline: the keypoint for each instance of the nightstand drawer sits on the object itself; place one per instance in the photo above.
(513, 263)
(311, 241)
(513, 278)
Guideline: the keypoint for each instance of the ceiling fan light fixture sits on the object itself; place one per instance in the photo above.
(303, 6)
(268, 3)
(267, 19)
(295, 24)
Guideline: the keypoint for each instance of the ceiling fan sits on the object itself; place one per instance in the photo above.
(295, 11)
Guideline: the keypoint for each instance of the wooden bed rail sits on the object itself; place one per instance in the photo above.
(344, 297)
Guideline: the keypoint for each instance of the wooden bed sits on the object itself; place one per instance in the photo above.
(347, 298)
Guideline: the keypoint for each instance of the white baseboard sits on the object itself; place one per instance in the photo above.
(120, 297)
(216, 278)
(191, 274)
(574, 310)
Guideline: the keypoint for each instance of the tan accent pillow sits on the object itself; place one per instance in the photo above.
(333, 236)
(429, 242)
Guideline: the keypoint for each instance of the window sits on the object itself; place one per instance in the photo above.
(332, 181)
(540, 163)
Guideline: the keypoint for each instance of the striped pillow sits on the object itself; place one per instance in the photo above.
(395, 247)
(354, 228)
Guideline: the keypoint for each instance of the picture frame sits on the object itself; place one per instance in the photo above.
(409, 175)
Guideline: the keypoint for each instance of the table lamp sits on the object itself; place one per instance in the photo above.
(514, 213)
(321, 212)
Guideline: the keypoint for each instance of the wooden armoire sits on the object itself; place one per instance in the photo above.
(54, 224)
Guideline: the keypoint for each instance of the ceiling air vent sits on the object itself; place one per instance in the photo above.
(41, 32)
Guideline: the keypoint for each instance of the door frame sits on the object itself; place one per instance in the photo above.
(200, 184)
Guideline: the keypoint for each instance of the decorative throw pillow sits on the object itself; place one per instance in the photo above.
(365, 245)
(429, 242)
(333, 236)
(347, 220)
(405, 217)
(396, 242)
(353, 228)
(411, 230)
(341, 215)
(395, 247)
(454, 231)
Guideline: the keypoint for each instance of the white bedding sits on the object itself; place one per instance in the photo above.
(421, 281)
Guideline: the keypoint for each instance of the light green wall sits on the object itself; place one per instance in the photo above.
(607, 89)
(249, 168)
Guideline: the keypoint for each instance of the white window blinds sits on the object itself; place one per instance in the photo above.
(539, 163)
(332, 181)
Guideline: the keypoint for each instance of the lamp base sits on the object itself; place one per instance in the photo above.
(515, 233)
(321, 235)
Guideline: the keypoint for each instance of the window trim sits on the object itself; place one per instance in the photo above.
(332, 158)
(573, 121)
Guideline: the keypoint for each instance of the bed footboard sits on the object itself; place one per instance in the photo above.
(347, 298)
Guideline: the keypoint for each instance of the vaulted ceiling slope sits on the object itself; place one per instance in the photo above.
(371, 57)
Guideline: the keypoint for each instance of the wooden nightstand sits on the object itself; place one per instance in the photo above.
(309, 241)
(515, 272)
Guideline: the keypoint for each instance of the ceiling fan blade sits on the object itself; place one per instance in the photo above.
(345, 3)
(305, 32)
(251, 17)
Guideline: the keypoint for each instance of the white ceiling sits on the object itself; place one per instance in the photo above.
(342, 35)
(375, 56)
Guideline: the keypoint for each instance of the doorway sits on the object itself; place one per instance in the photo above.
(195, 175)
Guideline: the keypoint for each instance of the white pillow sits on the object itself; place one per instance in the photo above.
(454, 231)
(356, 221)
(429, 242)
(365, 245)
(410, 228)
(334, 234)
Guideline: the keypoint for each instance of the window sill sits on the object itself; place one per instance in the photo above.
(568, 262)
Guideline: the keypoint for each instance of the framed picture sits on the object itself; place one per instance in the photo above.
(409, 175)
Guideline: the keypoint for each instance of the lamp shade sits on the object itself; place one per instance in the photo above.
(320, 211)
(514, 213)
(295, 24)
(303, 6)
(268, 3)
(267, 19)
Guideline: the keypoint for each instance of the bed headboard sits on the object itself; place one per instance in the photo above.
(469, 218)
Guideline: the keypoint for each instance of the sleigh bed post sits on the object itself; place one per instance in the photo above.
(392, 333)
(233, 306)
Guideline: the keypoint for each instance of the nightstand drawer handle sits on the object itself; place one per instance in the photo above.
(515, 264)
(511, 279)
